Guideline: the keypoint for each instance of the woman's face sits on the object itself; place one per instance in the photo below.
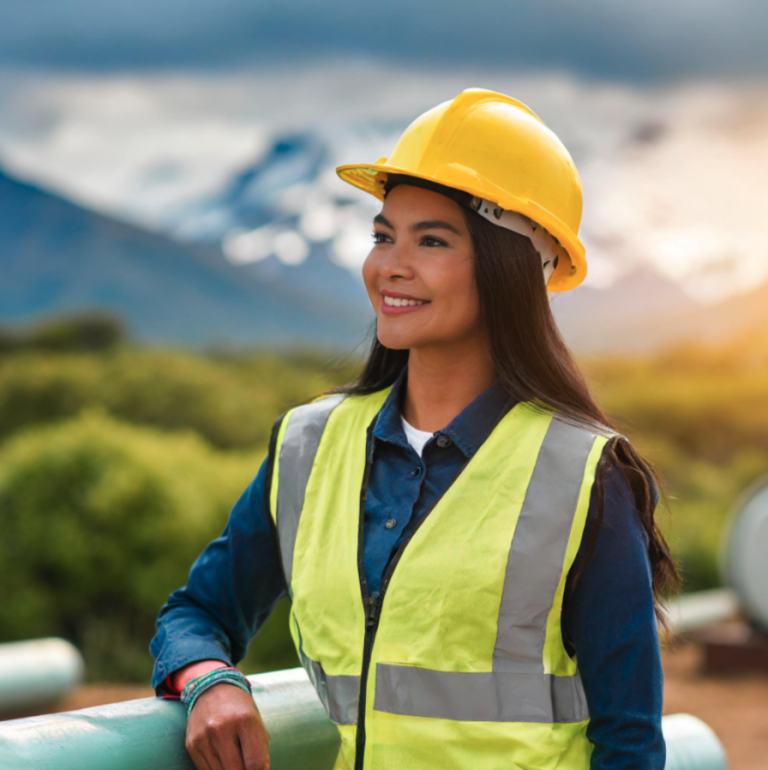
(420, 274)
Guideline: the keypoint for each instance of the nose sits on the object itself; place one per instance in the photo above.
(397, 262)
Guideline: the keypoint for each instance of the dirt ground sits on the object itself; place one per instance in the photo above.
(736, 708)
(99, 694)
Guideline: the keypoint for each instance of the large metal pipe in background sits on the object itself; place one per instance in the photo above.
(744, 569)
(149, 734)
(745, 545)
(36, 674)
(693, 612)
(692, 744)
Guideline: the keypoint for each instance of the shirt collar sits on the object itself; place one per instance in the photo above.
(388, 424)
(468, 430)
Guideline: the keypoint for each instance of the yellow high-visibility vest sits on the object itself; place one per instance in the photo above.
(460, 662)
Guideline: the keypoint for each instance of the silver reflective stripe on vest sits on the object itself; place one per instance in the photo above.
(301, 441)
(338, 694)
(539, 543)
(479, 696)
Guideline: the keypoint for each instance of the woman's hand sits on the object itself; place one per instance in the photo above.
(225, 731)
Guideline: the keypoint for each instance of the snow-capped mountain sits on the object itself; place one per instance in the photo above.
(288, 217)
(273, 257)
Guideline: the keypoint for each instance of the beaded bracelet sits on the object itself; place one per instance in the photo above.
(197, 686)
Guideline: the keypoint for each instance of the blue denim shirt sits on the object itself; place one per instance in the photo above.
(608, 617)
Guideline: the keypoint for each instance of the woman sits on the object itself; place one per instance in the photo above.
(459, 527)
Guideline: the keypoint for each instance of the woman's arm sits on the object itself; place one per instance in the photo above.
(609, 620)
(233, 587)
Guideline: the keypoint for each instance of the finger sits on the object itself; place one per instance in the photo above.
(207, 748)
(228, 754)
(215, 760)
(254, 746)
(198, 758)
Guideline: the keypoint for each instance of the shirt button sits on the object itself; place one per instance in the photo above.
(414, 473)
(390, 523)
(443, 442)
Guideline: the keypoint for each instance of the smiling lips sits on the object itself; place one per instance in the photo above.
(395, 303)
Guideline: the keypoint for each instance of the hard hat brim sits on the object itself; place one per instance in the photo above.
(371, 177)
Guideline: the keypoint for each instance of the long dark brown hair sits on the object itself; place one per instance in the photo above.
(534, 364)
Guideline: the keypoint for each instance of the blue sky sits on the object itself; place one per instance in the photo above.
(652, 40)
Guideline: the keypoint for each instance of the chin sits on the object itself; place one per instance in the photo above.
(394, 341)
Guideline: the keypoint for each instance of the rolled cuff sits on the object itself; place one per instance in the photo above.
(172, 661)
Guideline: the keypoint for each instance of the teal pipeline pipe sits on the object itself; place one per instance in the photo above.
(36, 674)
(149, 734)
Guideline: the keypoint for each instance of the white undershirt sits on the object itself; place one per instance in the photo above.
(416, 438)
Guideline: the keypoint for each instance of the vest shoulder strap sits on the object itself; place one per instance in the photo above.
(302, 430)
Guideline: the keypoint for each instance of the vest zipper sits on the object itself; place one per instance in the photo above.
(373, 604)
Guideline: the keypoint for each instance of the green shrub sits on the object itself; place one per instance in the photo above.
(86, 330)
(100, 522)
(230, 402)
(698, 415)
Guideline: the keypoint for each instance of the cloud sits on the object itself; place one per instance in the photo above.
(654, 40)
(673, 175)
(107, 142)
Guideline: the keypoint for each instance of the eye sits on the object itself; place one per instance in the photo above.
(379, 237)
(431, 241)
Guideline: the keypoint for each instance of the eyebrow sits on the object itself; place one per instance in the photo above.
(427, 224)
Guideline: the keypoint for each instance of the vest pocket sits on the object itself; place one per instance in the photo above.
(338, 693)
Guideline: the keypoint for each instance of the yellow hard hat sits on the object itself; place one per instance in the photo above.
(498, 150)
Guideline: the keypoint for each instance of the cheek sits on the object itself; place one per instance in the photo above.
(370, 272)
(457, 289)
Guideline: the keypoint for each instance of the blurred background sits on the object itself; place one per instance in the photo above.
(179, 264)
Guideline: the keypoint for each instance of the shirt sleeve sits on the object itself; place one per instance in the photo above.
(609, 621)
(232, 589)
